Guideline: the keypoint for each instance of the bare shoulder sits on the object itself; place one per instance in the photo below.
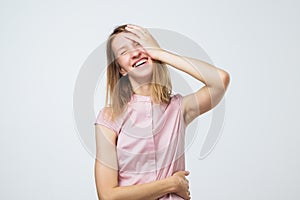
(107, 111)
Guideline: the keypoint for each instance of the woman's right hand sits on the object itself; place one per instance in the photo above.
(181, 184)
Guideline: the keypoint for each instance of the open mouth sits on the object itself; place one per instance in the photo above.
(140, 62)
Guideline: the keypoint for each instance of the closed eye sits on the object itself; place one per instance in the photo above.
(123, 52)
(136, 44)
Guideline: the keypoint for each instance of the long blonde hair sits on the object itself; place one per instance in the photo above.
(118, 87)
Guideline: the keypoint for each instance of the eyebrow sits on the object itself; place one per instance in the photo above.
(125, 46)
(122, 47)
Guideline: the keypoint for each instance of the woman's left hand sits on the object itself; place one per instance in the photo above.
(145, 39)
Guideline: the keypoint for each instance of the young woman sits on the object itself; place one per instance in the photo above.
(140, 133)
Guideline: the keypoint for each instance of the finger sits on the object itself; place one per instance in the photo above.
(133, 25)
(139, 32)
(140, 29)
(186, 173)
(130, 34)
(189, 195)
(132, 37)
(136, 27)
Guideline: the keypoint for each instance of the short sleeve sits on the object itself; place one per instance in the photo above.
(178, 99)
(104, 118)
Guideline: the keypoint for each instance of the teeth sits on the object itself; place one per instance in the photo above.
(140, 63)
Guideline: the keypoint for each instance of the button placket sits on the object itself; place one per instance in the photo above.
(153, 139)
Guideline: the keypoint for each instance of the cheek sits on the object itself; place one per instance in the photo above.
(123, 61)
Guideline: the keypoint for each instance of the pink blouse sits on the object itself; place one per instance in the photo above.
(150, 144)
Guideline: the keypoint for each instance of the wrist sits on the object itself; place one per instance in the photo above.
(172, 183)
(156, 54)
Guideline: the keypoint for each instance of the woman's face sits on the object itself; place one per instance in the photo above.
(132, 57)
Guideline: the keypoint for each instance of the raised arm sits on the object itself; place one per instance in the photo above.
(215, 79)
(106, 175)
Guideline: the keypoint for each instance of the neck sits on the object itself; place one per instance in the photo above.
(141, 86)
(144, 90)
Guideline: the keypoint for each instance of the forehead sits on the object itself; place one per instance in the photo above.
(119, 41)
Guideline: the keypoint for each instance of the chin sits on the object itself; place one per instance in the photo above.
(142, 74)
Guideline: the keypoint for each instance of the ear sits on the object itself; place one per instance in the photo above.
(122, 71)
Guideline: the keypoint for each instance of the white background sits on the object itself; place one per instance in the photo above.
(44, 44)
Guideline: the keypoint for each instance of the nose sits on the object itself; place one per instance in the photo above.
(135, 53)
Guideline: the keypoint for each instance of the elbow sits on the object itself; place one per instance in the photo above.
(107, 195)
(105, 198)
(225, 79)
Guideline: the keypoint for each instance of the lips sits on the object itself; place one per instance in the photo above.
(140, 62)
